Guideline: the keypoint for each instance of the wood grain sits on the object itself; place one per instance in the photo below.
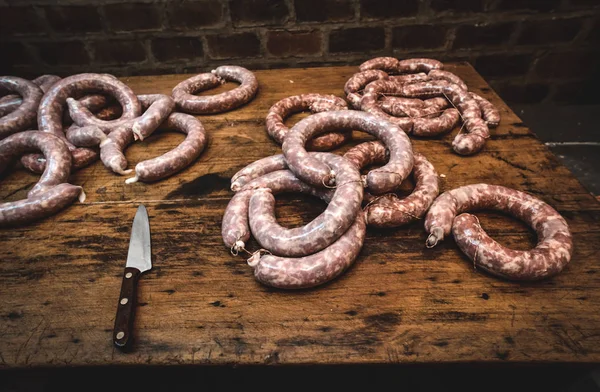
(400, 302)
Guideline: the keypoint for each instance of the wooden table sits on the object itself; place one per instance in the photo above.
(400, 302)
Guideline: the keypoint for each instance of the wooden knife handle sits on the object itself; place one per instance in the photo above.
(122, 333)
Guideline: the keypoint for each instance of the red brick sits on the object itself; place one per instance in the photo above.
(457, 5)
(293, 43)
(234, 45)
(503, 65)
(177, 48)
(377, 9)
(74, 19)
(119, 52)
(359, 39)
(540, 32)
(20, 20)
(258, 12)
(134, 16)
(469, 36)
(529, 5)
(323, 10)
(419, 36)
(521, 93)
(63, 53)
(16, 52)
(187, 15)
(568, 64)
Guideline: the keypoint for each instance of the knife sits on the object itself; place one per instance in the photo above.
(138, 261)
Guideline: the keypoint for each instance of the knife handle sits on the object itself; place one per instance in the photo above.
(126, 308)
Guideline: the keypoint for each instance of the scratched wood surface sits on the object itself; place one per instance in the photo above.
(400, 302)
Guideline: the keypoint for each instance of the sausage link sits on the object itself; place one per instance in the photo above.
(316, 103)
(257, 169)
(160, 107)
(389, 211)
(323, 230)
(316, 269)
(439, 74)
(39, 206)
(23, 116)
(477, 133)
(386, 64)
(95, 103)
(178, 158)
(412, 107)
(219, 103)
(111, 152)
(235, 228)
(551, 254)
(51, 108)
(58, 158)
(318, 174)
(354, 86)
(46, 81)
(490, 114)
(417, 122)
(409, 78)
(418, 65)
(89, 136)
(10, 103)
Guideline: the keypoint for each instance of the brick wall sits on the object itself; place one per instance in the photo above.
(530, 50)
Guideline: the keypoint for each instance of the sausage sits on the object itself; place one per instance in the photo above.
(417, 123)
(477, 130)
(219, 103)
(22, 117)
(386, 64)
(51, 193)
(46, 81)
(235, 227)
(318, 174)
(418, 65)
(41, 205)
(551, 254)
(178, 158)
(58, 158)
(389, 211)
(257, 169)
(412, 107)
(439, 74)
(490, 114)
(409, 78)
(323, 230)
(354, 86)
(88, 136)
(316, 103)
(50, 111)
(9, 103)
(313, 270)
(160, 106)
(95, 103)
(111, 152)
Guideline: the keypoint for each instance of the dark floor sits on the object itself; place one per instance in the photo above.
(572, 133)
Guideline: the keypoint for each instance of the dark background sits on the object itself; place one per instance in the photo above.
(530, 50)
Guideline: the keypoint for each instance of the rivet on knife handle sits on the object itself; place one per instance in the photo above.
(122, 333)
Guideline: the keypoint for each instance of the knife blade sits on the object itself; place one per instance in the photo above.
(138, 261)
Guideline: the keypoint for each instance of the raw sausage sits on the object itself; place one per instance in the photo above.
(386, 64)
(354, 86)
(490, 114)
(50, 194)
(50, 111)
(159, 108)
(477, 133)
(418, 65)
(439, 74)
(316, 103)
(58, 167)
(210, 104)
(551, 254)
(313, 270)
(9, 103)
(318, 174)
(418, 122)
(323, 230)
(257, 169)
(24, 116)
(178, 158)
(88, 136)
(111, 152)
